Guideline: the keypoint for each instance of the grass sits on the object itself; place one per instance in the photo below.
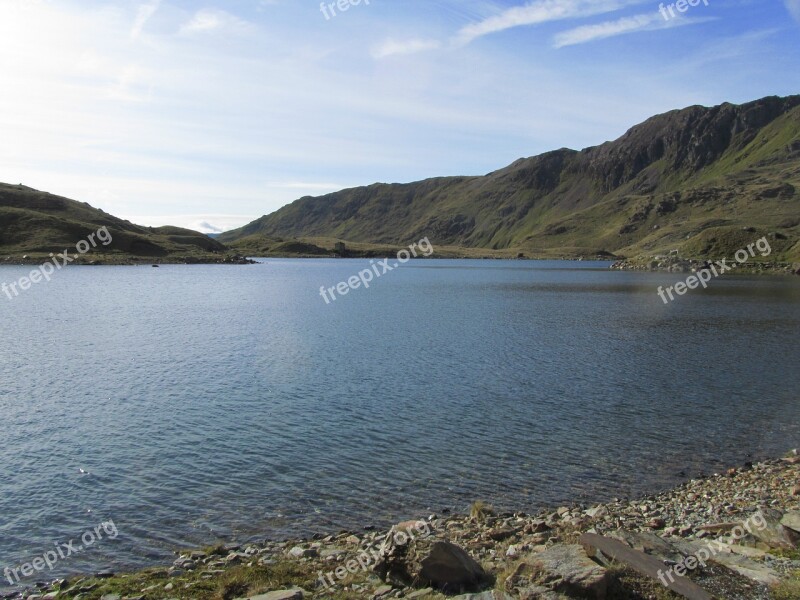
(479, 511)
(235, 582)
(627, 584)
(788, 589)
(35, 224)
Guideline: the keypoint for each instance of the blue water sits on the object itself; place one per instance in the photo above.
(196, 404)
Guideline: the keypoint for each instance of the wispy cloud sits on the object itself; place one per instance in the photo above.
(207, 20)
(204, 223)
(540, 11)
(607, 29)
(794, 8)
(143, 15)
(393, 47)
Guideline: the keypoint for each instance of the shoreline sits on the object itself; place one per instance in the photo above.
(690, 514)
(129, 261)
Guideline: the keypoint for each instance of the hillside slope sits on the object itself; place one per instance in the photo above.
(664, 182)
(36, 223)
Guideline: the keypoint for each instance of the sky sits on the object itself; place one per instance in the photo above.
(210, 114)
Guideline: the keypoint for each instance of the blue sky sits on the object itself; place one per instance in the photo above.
(210, 114)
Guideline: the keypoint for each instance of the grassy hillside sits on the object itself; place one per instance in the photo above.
(34, 224)
(708, 172)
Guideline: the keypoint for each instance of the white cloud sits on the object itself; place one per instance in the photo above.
(794, 8)
(607, 29)
(205, 227)
(392, 47)
(587, 33)
(209, 223)
(207, 20)
(540, 11)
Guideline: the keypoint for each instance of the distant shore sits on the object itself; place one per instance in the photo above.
(33, 260)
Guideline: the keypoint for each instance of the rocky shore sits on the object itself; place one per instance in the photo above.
(35, 260)
(731, 536)
(676, 264)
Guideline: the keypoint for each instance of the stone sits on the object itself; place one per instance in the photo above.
(792, 521)
(640, 562)
(382, 591)
(491, 595)
(598, 512)
(332, 553)
(649, 543)
(774, 534)
(718, 527)
(498, 535)
(747, 551)
(293, 594)
(420, 593)
(300, 552)
(448, 566)
(427, 562)
(745, 567)
(563, 569)
(537, 526)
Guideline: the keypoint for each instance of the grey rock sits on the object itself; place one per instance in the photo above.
(751, 569)
(649, 543)
(562, 569)
(427, 562)
(774, 534)
(449, 566)
(420, 593)
(293, 594)
(300, 552)
(791, 520)
(491, 595)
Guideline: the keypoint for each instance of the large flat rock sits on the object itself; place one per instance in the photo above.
(562, 569)
(774, 534)
(294, 594)
(649, 543)
(643, 564)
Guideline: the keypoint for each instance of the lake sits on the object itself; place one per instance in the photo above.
(197, 404)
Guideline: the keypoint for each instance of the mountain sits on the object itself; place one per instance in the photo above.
(689, 179)
(35, 223)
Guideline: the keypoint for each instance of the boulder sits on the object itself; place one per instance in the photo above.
(448, 566)
(755, 571)
(774, 534)
(562, 569)
(791, 520)
(610, 549)
(428, 562)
